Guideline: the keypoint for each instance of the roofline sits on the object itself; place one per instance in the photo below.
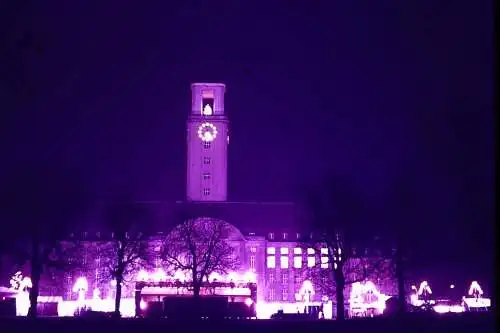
(284, 203)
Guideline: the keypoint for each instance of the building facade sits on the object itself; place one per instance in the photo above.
(270, 246)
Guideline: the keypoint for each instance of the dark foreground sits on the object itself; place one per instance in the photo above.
(467, 323)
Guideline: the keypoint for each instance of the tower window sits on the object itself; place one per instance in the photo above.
(206, 191)
(206, 176)
(207, 144)
(207, 108)
(207, 160)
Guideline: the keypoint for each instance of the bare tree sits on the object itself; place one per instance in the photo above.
(38, 203)
(402, 203)
(200, 246)
(128, 250)
(122, 258)
(338, 215)
(356, 268)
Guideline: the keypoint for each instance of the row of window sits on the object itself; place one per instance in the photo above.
(284, 236)
(297, 258)
(272, 295)
(296, 251)
(284, 262)
(284, 279)
(297, 262)
(284, 295)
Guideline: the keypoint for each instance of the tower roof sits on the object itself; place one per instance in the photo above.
(208, 84)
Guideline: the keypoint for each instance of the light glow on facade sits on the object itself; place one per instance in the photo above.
(366, 300)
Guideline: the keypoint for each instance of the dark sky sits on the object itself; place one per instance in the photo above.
(382, 94)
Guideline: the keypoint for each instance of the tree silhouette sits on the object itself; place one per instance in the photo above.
(402, 201)
(38, 203)
(129, 249)
(200, 247)
(339, 217)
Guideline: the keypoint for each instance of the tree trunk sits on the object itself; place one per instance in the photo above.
(400, 278)
(118, 296)
(196, 289)
(196, 311)
(119, 277)
(196, 283)
(339, 294)
(36, 272)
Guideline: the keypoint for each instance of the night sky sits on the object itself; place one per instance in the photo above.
(381, 94)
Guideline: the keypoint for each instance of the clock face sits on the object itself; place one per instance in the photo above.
(207, 132)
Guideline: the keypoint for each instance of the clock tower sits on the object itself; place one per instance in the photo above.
(207, 141)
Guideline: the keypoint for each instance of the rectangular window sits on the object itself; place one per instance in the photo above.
(311, 261)
(207, 104)
(284, 295)
(310, 251)
(271, 262)
(271, 235)
(206, 160)
(206, 176)
(271, 278)
(252, 263)
(284, 250)
(324, 251)
(297, 250)
(206, 144)
(297, 262)
(284, 262)
(284, 278)
(206, 191)
(324, 262)
(271, 294)
(298, 280)
(271, 250)
(285, 235)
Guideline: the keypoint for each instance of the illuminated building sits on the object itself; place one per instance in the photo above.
(268, 235)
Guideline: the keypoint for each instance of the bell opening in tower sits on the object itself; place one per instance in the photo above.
(207, 106)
